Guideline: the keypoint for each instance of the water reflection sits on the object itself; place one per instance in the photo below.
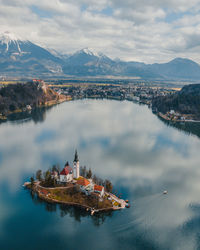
(74, 212)
(121, 141)
(37, 115)
(187, 127)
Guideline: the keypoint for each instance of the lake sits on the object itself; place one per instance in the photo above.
(121, 141)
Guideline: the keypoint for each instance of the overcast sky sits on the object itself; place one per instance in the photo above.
(139, 30)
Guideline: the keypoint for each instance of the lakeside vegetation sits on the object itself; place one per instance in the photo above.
(186, 101)
(22, 97)
(46, 179)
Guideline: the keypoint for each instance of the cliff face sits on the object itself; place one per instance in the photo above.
(17, 97)
(186, 101)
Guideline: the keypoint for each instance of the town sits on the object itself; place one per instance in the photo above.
(76, 186)
(150, 94)
(141, 93)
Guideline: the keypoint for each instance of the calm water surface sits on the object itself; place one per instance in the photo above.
(121, 141)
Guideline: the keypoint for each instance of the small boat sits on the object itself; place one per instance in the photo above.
(126, 201)
(128, 205)
(165, 192)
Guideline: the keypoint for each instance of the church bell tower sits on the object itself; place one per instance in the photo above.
(76, 165)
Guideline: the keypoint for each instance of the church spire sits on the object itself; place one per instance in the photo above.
(76, 156)
(67, 164)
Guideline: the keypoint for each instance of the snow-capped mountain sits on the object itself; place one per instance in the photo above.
(18, 56)
(22, 58)
(86, 56)
(88, 62)
(10, 42)
(91, 52)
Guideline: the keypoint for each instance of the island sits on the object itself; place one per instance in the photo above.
(75, 186)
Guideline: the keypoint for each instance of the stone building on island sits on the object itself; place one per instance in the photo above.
(66, 175)
(72, 175)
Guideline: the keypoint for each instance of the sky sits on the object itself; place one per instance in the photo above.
(132, 30)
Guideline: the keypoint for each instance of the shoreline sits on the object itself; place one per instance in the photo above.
(4, 118)
(74, 204)
(164, 117)
(44, 197)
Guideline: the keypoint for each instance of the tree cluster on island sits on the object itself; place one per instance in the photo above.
(46, 179)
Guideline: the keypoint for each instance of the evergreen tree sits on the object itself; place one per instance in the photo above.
(89, 174)
(84, 171)
(32, 181)
(108, 186)
(39, 175)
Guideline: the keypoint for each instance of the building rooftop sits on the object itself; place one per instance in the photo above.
(98, 188)
(83, 181)
(66, 170)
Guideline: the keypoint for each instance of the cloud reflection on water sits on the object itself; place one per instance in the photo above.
(121, 141)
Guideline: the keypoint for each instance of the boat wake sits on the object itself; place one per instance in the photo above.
(144, 211)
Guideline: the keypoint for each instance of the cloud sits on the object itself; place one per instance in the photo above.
(144, 30)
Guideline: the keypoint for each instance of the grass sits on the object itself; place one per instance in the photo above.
(74, 195)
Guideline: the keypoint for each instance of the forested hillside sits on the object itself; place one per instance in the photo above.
(16, 97)
(186, 101)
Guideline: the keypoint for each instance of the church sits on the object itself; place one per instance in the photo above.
(68, 173)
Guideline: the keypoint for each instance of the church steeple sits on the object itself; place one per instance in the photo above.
(76, 156)
(66, 164)
(76, 165)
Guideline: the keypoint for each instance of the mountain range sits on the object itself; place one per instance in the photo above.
(22, 58)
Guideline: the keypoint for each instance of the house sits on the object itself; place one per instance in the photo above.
(84, 184)
(99, 189)
(88, 187)
(66, 175)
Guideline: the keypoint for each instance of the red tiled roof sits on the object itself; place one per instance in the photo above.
(83, 182)
(44, 191)
(98, 188)
(66, 170)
